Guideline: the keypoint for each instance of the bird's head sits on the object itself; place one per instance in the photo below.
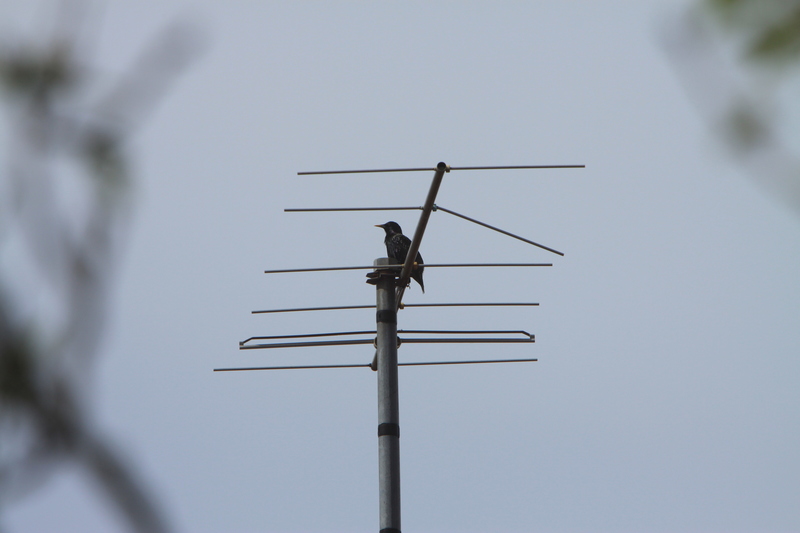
(390, 227)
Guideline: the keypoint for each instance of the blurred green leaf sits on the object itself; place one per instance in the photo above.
(744, 128)
(103, 154)
(16, 372)
(31, 74)
(725, 5)
(780, 42)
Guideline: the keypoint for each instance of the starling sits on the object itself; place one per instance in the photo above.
(397, 246)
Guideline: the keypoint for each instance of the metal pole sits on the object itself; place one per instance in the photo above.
(388, 405)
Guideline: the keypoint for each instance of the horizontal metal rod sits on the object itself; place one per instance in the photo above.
(456, 265)
(517, 167)
(288, 367)
(428, 169)
(489, 304)
(347, 307)
(297, 309)
(504, 232)
(484, 361)
(318, 209)
(368, 366)
(323, 269)
(397, 267)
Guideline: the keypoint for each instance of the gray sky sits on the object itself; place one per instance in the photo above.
(665, 398)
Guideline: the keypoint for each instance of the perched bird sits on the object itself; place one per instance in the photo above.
(397, 246)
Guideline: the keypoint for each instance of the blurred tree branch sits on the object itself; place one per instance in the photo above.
(63, 208)
(739, 61)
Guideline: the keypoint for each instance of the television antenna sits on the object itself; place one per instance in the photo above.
(390, 280)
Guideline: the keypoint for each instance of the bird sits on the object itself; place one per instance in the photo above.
(397, 246)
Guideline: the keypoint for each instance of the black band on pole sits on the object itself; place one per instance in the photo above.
(388, 316)
(388, 428)
(390, 530)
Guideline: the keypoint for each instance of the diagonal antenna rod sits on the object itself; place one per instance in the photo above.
(543, 247)
(436, 207)
(368, 366)
(347, 307)
(411, 255)
(448, 265)
(429, 169)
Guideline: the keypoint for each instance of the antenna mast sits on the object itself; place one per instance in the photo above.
(391, 280)
(388, 403)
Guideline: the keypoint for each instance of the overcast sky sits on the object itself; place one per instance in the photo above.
(665, 398)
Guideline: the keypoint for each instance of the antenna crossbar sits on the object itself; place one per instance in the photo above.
(519, 167)
(319, 172)
(320, 209)
(480, 362)
(348, 307)
(479, 304)
(397, 267)
(322, 269)
(428, 169)
(424, 363)
(298, 309)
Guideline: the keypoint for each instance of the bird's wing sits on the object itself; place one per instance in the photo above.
(397, 247)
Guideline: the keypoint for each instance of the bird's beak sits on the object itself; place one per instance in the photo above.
(378, 225)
